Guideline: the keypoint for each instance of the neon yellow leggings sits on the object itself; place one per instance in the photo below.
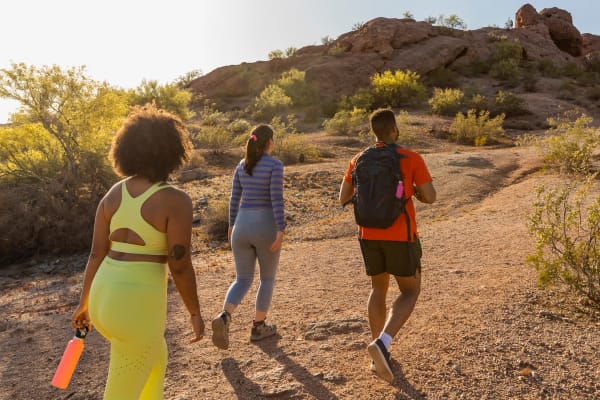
(128, 306)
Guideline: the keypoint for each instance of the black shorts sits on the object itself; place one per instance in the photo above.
(391, 257)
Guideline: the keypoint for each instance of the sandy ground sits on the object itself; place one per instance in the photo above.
(481, 329)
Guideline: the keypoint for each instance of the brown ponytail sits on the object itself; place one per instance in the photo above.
(255, 146)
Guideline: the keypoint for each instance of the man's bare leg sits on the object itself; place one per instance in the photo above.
(377, 303)
(410, 287)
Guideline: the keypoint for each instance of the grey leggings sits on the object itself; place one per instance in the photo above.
(253, 233)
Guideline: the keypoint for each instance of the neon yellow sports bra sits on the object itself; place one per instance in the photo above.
(129, 216)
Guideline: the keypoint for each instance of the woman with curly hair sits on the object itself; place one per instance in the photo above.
(142, 225)
(256, 226)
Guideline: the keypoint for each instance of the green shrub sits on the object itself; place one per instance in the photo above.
(211, 116)
(275, 54)
(566, 226)
(292, 147)
(506, 70)
(217, 139)
(446, 101)
(509, 104)
(170, 97)
(477, 102)
(405, 135)
(476, 129)
(548, 68)
(295, 87)
(269, 102)
(506, 60)
(336, 50)
(346, 122)
(571, 143)
(398, 89)
(239, 127)
(363, 98)
(572, 70)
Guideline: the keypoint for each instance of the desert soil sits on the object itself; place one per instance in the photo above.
(482, 329)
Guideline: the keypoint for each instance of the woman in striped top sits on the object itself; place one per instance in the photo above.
(256, 226)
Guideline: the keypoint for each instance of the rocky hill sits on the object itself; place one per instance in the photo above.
(346, 64)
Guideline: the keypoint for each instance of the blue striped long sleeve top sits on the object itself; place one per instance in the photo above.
(262, 189)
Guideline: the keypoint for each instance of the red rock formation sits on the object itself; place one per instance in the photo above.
(559, 23)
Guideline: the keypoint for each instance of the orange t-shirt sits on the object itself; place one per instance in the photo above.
(415, 172)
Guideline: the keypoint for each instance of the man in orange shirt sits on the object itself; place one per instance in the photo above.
(386, 251)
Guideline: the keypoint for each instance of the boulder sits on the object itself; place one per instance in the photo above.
(527, 16)
(563, 33)
(559, 24)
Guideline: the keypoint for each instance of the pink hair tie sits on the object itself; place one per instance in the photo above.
(253, 137)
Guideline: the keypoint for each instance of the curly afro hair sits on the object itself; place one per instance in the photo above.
(151, 143)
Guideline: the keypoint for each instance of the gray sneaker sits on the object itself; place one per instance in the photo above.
(262, 331)
(220, 330)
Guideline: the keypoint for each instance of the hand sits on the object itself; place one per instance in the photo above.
(81, 318)
(229, 230)
(277, 243)
(198, 326)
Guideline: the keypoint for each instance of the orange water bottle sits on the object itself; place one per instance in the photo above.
(69, 360)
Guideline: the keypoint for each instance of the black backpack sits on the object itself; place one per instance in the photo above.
(375, 178)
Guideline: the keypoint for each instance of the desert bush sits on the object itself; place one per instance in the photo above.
(572, 70)
(548, 68)
(446, 101)
(216, 220)
(336, 50)
(239, 127)
(397, 89)
(452, 21)
(506, 70)
(405, 135)
(269, 102)
(357, 26)
(477, 102)
(290, 146)
(592, 61)
(215, 138)
(476, 128)
(211, 116)
(274, 54)
(346, 122)
(295, 87)
(571, 144)
(187, 78)
(506, 60)
(363, 98)
(170, 97)
(565, 223)
(509, 104)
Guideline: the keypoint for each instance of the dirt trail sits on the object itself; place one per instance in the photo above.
(481, 328)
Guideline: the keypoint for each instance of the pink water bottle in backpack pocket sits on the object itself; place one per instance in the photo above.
(69, 360)
(400, 190)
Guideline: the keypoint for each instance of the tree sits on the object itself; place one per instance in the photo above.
(64, 118)
(452, 21)
(169, 97)
(408, 14)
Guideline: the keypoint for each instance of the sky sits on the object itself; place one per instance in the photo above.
(126, 41)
